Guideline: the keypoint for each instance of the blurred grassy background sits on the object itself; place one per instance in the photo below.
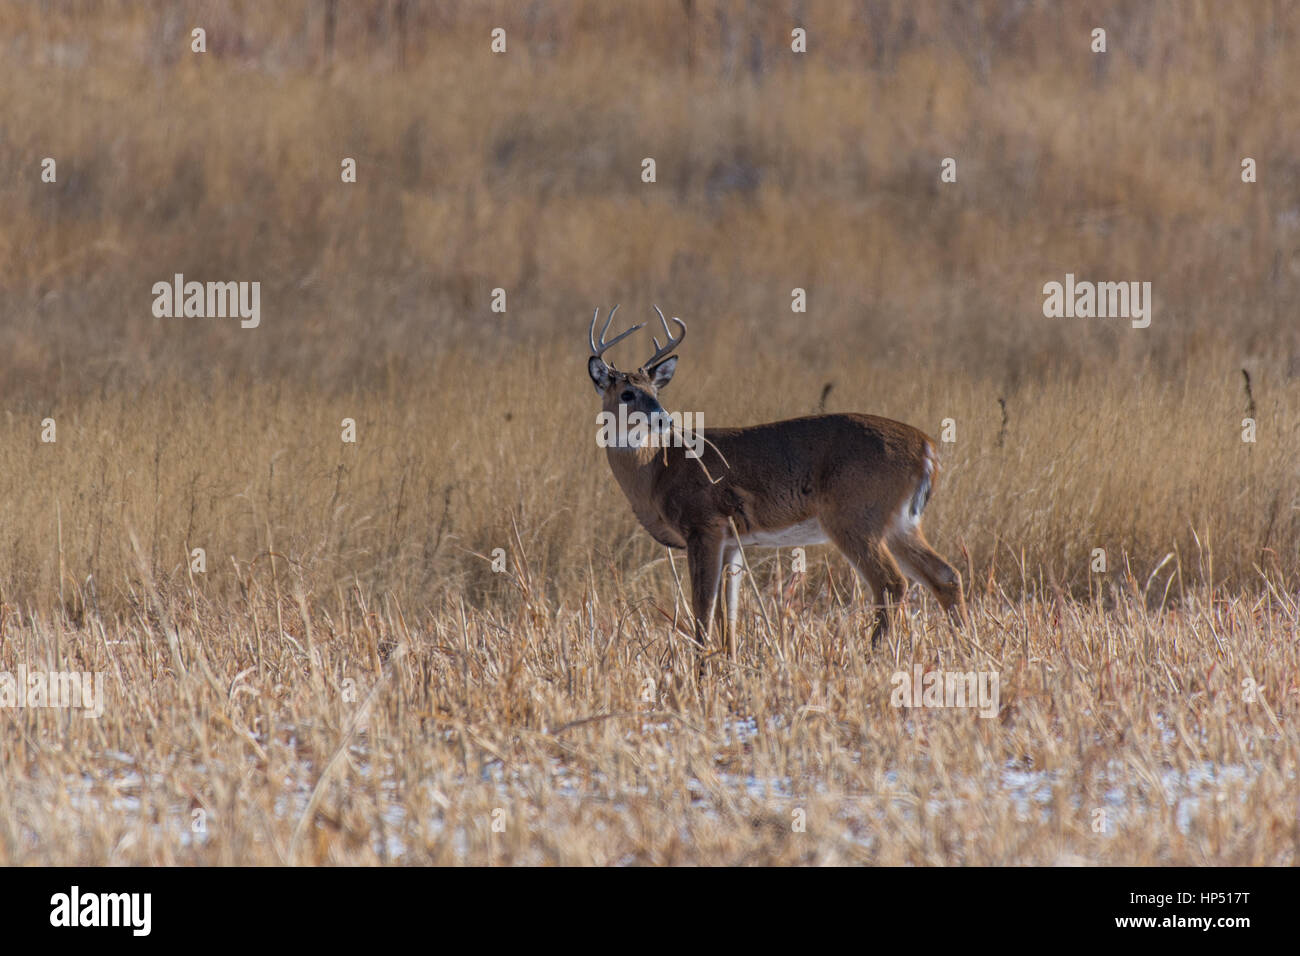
(522, 171)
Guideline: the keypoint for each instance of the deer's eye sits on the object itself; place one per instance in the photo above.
(627, 396)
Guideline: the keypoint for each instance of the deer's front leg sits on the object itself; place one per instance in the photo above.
(704, 558)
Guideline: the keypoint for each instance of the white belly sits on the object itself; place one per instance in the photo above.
(795, 536)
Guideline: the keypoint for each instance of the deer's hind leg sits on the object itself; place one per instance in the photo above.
(927, 567)
(860, 539)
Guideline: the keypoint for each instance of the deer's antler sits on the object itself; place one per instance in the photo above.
(599, 349)
(672, 342)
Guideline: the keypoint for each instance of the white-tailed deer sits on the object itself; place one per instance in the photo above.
(858, 481)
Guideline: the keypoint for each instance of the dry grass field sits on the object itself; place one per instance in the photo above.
(347, 679)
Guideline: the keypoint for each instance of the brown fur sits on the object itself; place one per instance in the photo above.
(853, 473)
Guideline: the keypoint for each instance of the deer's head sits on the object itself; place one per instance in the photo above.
(636, 391)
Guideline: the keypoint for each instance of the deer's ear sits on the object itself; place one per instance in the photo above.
(662, 373)
(599, 372)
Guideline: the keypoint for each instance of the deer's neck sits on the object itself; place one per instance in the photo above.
(637, 471)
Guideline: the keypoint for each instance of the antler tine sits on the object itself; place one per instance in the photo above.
(672, 342)
(603, 347)
(591, 334)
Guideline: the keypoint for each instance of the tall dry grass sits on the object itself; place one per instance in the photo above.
(481, 456)
(293, 727)
(333, 568)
